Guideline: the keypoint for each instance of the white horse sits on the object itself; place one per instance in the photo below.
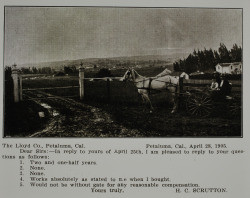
(145, 84)
(164, 73)
(184, 75)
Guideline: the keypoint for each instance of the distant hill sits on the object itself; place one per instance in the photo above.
(144, 58)
(117, 61)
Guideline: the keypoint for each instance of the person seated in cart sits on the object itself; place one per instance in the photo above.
(220, 87)
(217, 78)
(214, 85)
(225, 87)
(214, 88)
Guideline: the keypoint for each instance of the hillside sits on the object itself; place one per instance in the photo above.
(153, 60)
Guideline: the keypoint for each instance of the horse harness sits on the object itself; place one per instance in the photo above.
(149, 88)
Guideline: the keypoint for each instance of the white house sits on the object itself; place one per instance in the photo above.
(229, 68)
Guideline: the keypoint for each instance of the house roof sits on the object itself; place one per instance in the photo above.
(224, 64)
(228, 64)
(196, 73)
(236, 63)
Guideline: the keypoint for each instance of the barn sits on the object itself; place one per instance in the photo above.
(229, 68)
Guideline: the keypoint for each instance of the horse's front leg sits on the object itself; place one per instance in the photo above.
(143, 99)
(146, 98)
(174, 108)
(175, 103)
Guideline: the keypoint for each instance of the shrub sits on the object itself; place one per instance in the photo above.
(104, 72)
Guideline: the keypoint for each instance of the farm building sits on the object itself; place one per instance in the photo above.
(196, 73)
(229, 68)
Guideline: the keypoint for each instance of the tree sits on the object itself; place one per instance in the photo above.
(9, 98)
(204, 60)
(190, 64)
(26, 70)
(176, 66)
(216, 57)
(236, 53)
(67, 70)
(104, 72)
(34, 70)
(8, 72)
(209, 59)
(201, 60)
(224, 54)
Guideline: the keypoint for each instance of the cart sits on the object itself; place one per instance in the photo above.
(205, 102)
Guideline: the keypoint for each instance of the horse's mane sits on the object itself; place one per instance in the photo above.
(164, 73)
(135, 73)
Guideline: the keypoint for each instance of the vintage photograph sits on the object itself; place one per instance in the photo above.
(105, 72)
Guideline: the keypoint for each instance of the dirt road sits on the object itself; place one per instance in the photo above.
(69, 118)
(72, 118)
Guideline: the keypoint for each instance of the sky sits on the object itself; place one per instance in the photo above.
(43, 34)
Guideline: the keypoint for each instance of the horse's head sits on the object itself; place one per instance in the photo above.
(184, 75)
(127, 76)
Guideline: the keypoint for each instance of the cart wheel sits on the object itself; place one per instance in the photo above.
(199, 104)
(235, 108)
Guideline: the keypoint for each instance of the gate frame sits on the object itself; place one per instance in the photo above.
(17, 84)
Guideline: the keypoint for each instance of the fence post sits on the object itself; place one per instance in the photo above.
(180, 90)
(108, 89)
(15, 78)
(81, 82)
(21, 87)
(181, 84)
